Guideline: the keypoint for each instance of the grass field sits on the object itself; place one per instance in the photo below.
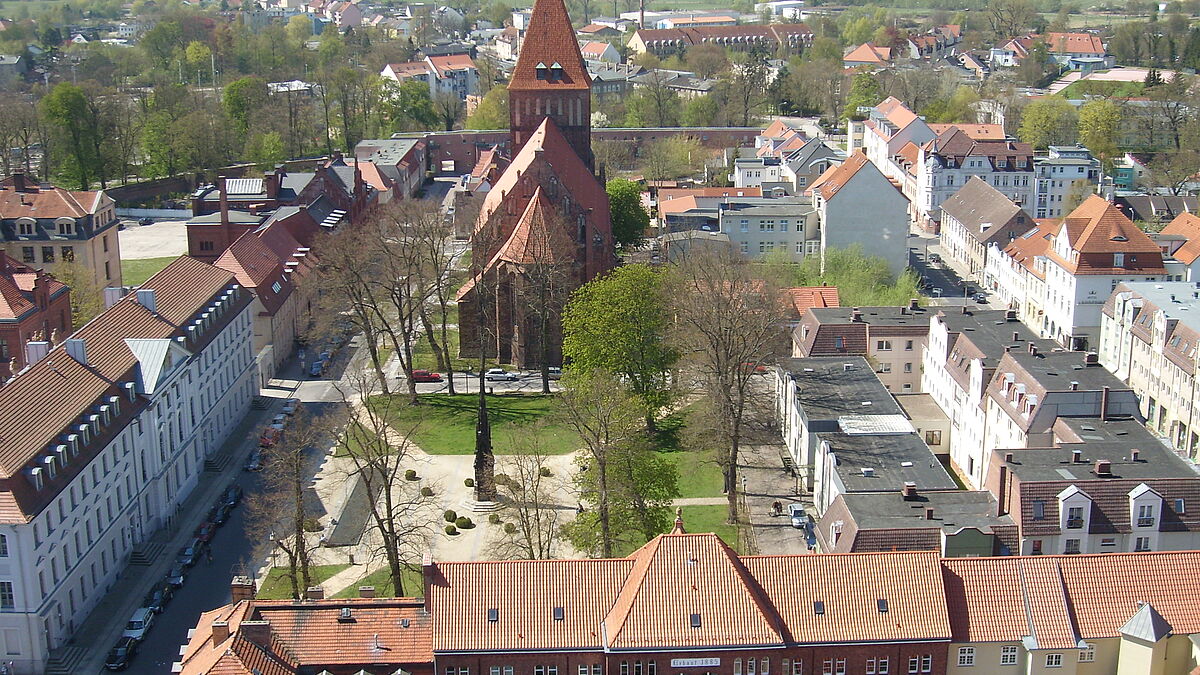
(712, 519)
(136, 272)
(277, 586)
(446, 424)
(1102, 88)
(699, 474)
(382, 581)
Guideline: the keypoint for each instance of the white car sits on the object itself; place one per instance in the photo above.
(796, 512)
(290, 405)
(500, 375)
(139, 624)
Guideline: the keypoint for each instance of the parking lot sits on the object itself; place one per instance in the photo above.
(163, 238)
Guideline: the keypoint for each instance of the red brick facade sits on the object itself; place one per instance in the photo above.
(33, 306)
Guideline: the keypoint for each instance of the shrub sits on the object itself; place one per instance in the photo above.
(410, 474)
(494, 519)
(501, 479)
(544, 471)
(312, 525)
(464, 523)
(470, 482)
(450, 529)
(450, 516)
(426, 491)
(510, 528)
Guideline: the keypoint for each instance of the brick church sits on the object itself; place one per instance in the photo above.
(544, 228)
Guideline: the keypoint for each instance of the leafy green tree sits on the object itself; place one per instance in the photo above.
(652, 105)
(700, 111)
(407, 106)
(1049, 121)
(956, 108)
(265, 149)
(162, 42)
(243, 97)
(706, 59)
(65, 109)
(861, 280)
(864, 92)
(1099, 120)
(629, 217)
(617, 323)
(300, 29)
(492, 111)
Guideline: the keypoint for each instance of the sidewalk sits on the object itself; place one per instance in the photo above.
(86, 650)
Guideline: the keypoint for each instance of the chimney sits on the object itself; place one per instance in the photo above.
(928, 513)
(1103, 467)
(1000, 510)
(19, 181)
(146, 298)
(1074, 386)
(1010, 315)
(35, 350)
(910, 490)
(855, 314)
(220, 632)
(429, 572)
(77, 349)
(1076, 456)
(1016, 336)
(1104, 404)
(113, 294)
(1008, 457)
(315, 593)
(271, 184)
(1091, 359)
(1033, 349)
(912, 304)
(258, 632)
(366, 591)
(224, 192)
(241, 588)
(1135, 455)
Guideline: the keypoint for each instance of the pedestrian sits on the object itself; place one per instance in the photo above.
(776, 509)
(208, 555)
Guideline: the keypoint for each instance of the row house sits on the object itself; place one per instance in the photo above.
(1149, 339)
(687, 603)
(1104, 485)
(34, 306)
(1016, 274)
(946, 163)
(449, 74)
(47, 228)
(888, 128)
(401, 161)
(976, 218)
(105, 436)
(859, 206)
(962, 352)
(771, 39)
(1066, 175)
(891, 338)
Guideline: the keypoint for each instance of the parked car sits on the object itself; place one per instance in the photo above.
(175, 577)
(139, 624)
(206, 531)
(157, 599)
(269, 437)
(253, 463)
(121, 654)
(219, 514)
(981, 298)
(316, 368)
(796, 513)
(190, 554)
(232, 495)
(935, 259)
(426, 376)
(555, 373)
(146, 221)
(290, 406)
(500, 375)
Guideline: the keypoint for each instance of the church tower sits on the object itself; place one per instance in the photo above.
(550, 80)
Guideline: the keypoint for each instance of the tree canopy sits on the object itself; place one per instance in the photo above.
(629, 217)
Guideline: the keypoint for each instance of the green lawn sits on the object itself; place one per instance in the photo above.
(1103, 88)
(382, 581)
(277, 586)
(699, 474)
(447, 423)
(712, 519)
(136, 272)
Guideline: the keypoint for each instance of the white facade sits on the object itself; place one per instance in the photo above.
(960, 405)
(1067, 171)
(183, 404)
(935, 183)
(754, 172)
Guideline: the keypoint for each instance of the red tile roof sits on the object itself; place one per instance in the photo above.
(555, 43)
(445, 64)
(868, 53)
(1097, 229)
(836, 177)
(1186, 225)
(1075, 43)
(52, 202)
(978, 132)
(667, 194)
(539, 237)
(257, 267)
(803, 298)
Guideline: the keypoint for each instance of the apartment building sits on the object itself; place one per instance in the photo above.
(975, 217)
(1149, 336)
(892, 339)
(859, 206)
(756, 171)
(33, 306)
(1016, 273)
(46, 227)
(946, 163)
(105, 435)
(759, 228)
(1065, 176)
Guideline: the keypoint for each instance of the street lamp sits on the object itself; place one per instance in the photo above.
(274, 552)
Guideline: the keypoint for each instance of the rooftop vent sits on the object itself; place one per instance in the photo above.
(868, 471)
(345, 616)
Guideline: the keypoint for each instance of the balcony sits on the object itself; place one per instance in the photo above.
(1074, 523)
(1145, 522)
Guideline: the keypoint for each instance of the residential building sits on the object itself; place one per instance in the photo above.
(1010, 54)
(693, 21)
(888, 128)
(858, 205)
(1094, 248)
(13, 68)
(599, 51)
(1156, 209)
(1102, 486)
(771, 38)
(1069, 48)
(801, 299)
(754, 171)
(976, 216)
(612, 81)
(34, 306)
(868, 55)
(403, 161)
(1064, 178)
(677, 246)
(1148, 339)
(891, 338)
(954, 523)
(801, 167)
(962, 352)
(596, 31)
(1180, 240)
(46, 227)
(946, 163)
(105, 436)
(761, 227)
(449, 74)
(1016, 274)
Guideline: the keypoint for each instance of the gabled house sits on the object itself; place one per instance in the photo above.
(34, 306)
(599, 51)
(858, 205)
(869, 55)
(976, 216)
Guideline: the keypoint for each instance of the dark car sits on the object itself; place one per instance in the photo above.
(219, 514)
(158, 598)
(205, 532)
(121, 654)
(146, 221)
(980, 298)
(253, 463)
(190, 554)
(233, 495)
(176, 576)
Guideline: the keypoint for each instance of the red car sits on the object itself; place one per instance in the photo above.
(270, 436)
(426, 376)
(205, 532)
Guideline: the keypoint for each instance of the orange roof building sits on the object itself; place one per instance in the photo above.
(33, 306)
(868, 54)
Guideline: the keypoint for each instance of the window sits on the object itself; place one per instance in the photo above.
(1008, 655)
(839, 343)
(539, 670)
(745, 247)
(107, 271)
(745, 225)
(927, 663)
(737, 667)
(68, 253)
(908, 367)
(766, 667)
(827, 667)
(1075, 517)
(3, 357)
(839, 667)
(104, 242)
(26, 228)
(966, 656)
(1088, 653)
(914, 665)
(784, 670)
(870, 666)
(550, 670)
(885, 367)
(7, 599)
(1072, 546)
(66, 227)
(1108, 541)
(3, 546)
(884, 663)
(883, 345)
(1180, 506)
(908, 345)
(27, 254)
(1142, 544)
(47, 254)
(495, 670)
(797, 667)
(1145, 515)
(1118, 260)
(1039, 509)
(1054, 660)
(751, 664)
(206, 246)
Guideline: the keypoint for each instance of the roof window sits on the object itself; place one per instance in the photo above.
(819, 607)
(558, 613)
(493, 615)
(881, 603)
(695, 621)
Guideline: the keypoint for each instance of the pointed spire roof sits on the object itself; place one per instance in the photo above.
(538, 236)
(549, 42)
(1147, 624)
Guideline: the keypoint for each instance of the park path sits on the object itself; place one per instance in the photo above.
(699, 501)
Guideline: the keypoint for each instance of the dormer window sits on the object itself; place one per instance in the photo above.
(556, 71)
(25, 227)
(1145, 515)
(543, 72)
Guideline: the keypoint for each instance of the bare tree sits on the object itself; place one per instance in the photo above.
(380, 455)
(727, 323)
(546, 283)
(448, 107)
(433, 236)
(529, 497)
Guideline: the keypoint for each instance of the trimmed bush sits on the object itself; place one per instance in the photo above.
(410, 474)
(450, 529)
(494, 519)
(510, 528)
(450, 516)
(544, 471)
(426, 491)
(464, 523)
(501, 479)
(312, 525)
(470, 482)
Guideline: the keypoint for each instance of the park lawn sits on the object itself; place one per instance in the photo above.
(277, 587)
(698, 471)
(712, 519)
(447, 423)
(1104, 88)
(423, 356)
(382, 581)
(136, 272)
